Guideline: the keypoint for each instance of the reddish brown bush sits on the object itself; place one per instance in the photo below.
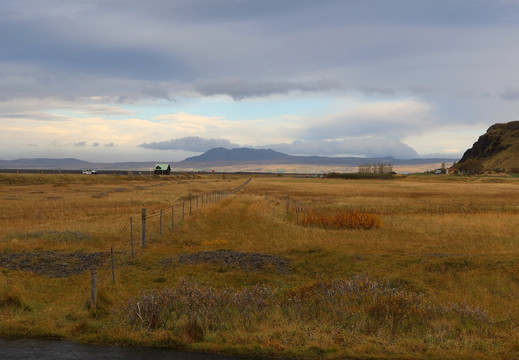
(343, 220)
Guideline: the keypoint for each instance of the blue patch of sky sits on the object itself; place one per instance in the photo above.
(232, 110)
(248, 109)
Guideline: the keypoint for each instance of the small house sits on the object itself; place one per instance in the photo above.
(162, 169)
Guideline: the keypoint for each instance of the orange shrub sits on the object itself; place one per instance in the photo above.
(343, 220)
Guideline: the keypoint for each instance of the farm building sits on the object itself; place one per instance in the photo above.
(162, 169)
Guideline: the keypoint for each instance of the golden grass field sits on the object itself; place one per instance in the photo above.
(439, 278)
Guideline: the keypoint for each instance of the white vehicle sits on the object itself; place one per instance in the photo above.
(89, 172)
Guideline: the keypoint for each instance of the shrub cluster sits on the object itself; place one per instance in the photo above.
(359, 304)
(343, 220)
(204, 306)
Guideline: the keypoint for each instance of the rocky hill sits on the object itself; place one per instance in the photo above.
(497, 148)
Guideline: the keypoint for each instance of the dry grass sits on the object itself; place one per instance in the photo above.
(446, 255)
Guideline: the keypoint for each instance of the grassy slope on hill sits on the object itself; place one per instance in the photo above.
(497, 148)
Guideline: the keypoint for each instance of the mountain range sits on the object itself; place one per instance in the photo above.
(497, 148)
(237, 159)
(222, 156)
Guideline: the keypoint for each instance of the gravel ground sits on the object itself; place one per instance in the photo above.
(53, 264)
(56, 264)
(245, 260)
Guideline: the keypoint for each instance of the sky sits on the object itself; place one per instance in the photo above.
(135, 80)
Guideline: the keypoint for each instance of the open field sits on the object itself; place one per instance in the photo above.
(312, 168)
(438, 279)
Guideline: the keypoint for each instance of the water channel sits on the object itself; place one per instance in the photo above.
(24, 349)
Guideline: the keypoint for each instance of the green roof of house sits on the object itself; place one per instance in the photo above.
(161, 167)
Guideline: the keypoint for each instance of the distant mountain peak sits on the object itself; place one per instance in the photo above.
(237, 154)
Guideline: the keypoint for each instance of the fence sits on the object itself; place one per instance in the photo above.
(174, 214)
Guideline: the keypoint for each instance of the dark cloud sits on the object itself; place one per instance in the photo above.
(96, 144)
(44, 43)
(511, 94)
(109, 145)
(239, 90)
(31, 81)
(190, 143)
(438, 12)
(373, 90)
(32, 115)
(80, 144)
(135, 50)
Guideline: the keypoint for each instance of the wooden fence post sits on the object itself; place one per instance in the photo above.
(160, 228)
(182, 211)
(93, 287)
(143, 230)
(112, 256)
(190, 198)
(131, 234)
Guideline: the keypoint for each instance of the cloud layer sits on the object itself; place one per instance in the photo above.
(189, 143)
(135, 79)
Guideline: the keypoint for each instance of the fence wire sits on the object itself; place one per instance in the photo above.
(129, 237)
